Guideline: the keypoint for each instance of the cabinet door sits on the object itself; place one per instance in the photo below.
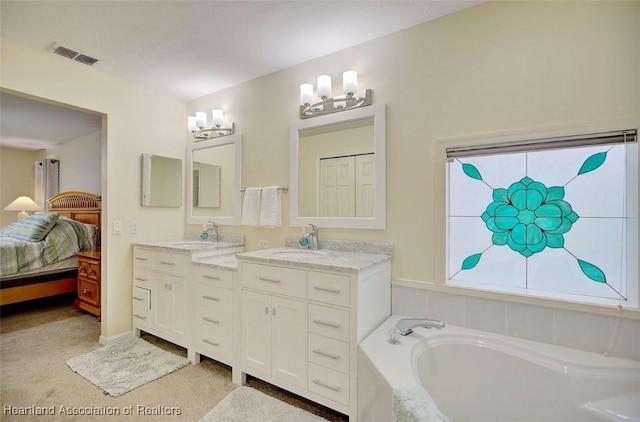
(171, 305)
(162, 303)
(289, 345)
(256, 331)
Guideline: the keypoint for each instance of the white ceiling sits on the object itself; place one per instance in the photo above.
(189, 49)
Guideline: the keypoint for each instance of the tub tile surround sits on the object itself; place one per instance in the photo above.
(575, 329)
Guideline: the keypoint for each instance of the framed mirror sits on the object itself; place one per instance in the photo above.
(338, 170)
(161, 181)
(213, 181)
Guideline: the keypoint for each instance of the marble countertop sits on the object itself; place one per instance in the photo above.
(222, 262)
(323, 259)
(190, 245)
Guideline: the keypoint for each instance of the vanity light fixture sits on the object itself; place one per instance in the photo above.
(328, 104)
(198, 125)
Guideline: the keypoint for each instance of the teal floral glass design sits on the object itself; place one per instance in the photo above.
(529, 217)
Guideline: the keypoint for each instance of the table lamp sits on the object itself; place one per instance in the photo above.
(23, 204)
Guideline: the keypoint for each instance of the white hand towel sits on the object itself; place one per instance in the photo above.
(251, 207)
(271, 207)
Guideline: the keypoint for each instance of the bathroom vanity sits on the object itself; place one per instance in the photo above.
(182, 293)
(305, 312)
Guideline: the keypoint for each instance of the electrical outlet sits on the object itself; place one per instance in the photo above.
(263, 244)
(133, 227)
(117, 227)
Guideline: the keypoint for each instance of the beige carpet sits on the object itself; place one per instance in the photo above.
(35, 343)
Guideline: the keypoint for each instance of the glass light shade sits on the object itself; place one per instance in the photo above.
(217, 117)
(324, 86)
(350, 82)
(191, 123)
(201, 119)
(306, 94)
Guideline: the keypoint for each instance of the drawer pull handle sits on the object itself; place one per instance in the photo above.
(141, 279)
(86, 292)
(211, 277)
(327, 289)
(139, 299)
(210, 297)
(215, 321)
(141, 259)
(140, 316)
(335, 388)
(213, 343)
(335, 356)
(270, 280)
(327, 323)
(167, 263)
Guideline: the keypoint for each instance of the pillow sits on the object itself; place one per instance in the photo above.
(33, 228)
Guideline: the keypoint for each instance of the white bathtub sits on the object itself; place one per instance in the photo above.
(477, 376)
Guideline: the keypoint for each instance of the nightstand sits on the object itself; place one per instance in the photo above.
(88, 282)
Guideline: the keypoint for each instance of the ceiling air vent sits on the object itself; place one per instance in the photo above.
(73, 55)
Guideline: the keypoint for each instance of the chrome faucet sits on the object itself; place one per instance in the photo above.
(214, 232)
(312, 237)
(406, 325)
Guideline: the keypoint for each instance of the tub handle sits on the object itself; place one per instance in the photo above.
(327, 354)
(335, 388)
(327, 323)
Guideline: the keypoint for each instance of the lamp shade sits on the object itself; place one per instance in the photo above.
(23, 204)
(217, 117)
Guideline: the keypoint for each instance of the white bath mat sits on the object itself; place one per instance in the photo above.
(246, 404)
(126, 365)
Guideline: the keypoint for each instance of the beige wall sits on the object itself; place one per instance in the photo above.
(80, 163)
(125, 136)
(15, 179)
(495, 68)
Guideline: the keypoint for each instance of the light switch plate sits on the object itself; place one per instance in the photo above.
(117, 227)
(134, 227)
(263, 244)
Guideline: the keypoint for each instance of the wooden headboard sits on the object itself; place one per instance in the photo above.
(80, 206)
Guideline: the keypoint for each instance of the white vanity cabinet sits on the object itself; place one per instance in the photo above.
(275, 322)
(301, 324)
(160, 294)
(213, 313)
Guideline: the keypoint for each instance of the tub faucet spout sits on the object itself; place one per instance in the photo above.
(406, 325)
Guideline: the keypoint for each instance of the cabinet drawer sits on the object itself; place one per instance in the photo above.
(213, 276)
(141, 317)
(213, 302)
(89, 270)
(171, 263)
(328, 383)
(278, 280)
(329, 353)
(142, 258)
(141, 299)
(142, 278)
(89, 291)
(214, 335)
(329, 288)
(329, 322)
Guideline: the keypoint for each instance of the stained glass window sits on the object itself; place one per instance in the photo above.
(555, 219)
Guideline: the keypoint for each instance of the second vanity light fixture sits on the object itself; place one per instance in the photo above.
(328, 104)
(198, 125)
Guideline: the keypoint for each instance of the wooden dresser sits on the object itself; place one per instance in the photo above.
(88, 282)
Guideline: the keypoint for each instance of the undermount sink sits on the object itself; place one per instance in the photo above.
(297, 253)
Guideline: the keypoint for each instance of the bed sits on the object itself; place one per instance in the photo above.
(60, 277)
